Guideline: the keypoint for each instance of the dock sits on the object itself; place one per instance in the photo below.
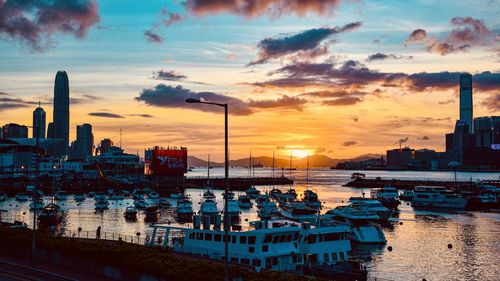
(240, 184)
(410, 184)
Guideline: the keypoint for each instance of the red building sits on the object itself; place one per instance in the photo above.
(170, 161)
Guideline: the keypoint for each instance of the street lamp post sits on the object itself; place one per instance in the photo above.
(226, 181)
(37, 174)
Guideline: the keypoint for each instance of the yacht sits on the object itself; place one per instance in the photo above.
(276, 194)
(233, 211)
(311, 199)
(388, 196)
(275, 245)
(290, 194)
(252, 192)
(208, 193)
(163, 203)
(3, 196)
(36, 203)
(373, 206)
(407, 195)
(154, 195)
(437, 197)
(152, 213)
(267, 209)
(244, 202)
(209, 209)
(50, 214)
(79, 197)
(101, 204)
(140, 203)
(22, 197)
(299, 212)
(362, 230)
(61, 196)
(184, 209)
(131, 213)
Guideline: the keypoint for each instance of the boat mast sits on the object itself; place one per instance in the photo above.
(307, 173)
(208, 170)
(291, 152)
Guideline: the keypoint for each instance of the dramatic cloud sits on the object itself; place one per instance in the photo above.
(175, 97)
(355, 75)
(283, 102)
(255, 8)
(143, 115)
(168, 75)
(342, 101)
(467, 32)
(105, 114)
(492, 102)
(6, 106)
(307, 41)
(381, 56)
(153, 37)
(349, 143)
(33, 22)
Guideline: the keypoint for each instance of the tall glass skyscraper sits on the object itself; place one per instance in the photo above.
(61, 109)
(466, 100)
(39, 122)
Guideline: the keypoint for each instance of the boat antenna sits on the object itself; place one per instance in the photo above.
(208, 170)
(291, 152)
(307, 173)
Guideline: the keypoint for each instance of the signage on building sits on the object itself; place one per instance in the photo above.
(167, 161)
(495, 146)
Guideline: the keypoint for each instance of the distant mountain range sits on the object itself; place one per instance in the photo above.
(315, 161)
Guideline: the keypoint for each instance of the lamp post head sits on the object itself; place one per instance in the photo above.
(191, 100)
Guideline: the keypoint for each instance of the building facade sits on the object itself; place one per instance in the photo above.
(13, 130)
(60, 128)
(38, 123)
(466, 113)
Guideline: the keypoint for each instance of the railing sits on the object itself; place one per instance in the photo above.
(110, 236)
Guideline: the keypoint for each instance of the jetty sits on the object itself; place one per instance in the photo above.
(410, 184)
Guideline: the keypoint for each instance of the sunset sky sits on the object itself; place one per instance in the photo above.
(333, 77)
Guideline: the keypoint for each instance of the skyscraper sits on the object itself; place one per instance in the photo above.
(39, 122)
(466, 100)
(82, 148)
(61, 109)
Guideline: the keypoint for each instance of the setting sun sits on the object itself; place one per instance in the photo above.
(300, 153)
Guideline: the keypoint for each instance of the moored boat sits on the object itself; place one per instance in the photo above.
(244, 202)
(131, 213)
(437, 197)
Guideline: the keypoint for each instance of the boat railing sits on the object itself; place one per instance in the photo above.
(139, 239)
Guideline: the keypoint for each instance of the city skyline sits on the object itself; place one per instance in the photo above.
(319, 79)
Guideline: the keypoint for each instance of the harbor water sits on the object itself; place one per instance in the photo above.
(419, 239)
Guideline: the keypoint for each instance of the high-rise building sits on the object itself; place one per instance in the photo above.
(82, 148)
(39, 122)
(50, 130)
(61, 109)
(466, 100)
(14, 131)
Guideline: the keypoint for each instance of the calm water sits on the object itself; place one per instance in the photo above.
(419, 244)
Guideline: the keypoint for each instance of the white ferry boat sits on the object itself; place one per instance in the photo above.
(372, 205)
(362, 230)
(437, 197)
(286, 246)
(387, 195)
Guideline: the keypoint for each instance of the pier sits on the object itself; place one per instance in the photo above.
(410, 184)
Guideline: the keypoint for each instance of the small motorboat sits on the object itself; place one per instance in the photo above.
(91, 194)
(61, 196)
(252, 192)
(79, 197)
(140, 203)
(230, 195)
(163, 203)
(22, 197)
(244, 202)
(36, 204)
(101, 204)
(184, 209)
(154, 195)
(50, 214)
(208, 194)
(152, 213)
(131, 213)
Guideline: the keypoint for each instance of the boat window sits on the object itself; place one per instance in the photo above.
(326, 257)
(265, 248)
(334, 257)
(199, 236)
(342, 256)
(226, 238)
(314, 258)
(268, 262)
(251, 240)
(243, 239)
(275, 260)
(256, 262)
(282, 238)
(245, 261)
(251, 249)
(311, 239)
(295, 236)
(268, 239)
(275, 239)
(208, 236)
(332, 236)
(299, 258)
(217, 237)
(191, 235)
(288, 238)
(234, 239)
